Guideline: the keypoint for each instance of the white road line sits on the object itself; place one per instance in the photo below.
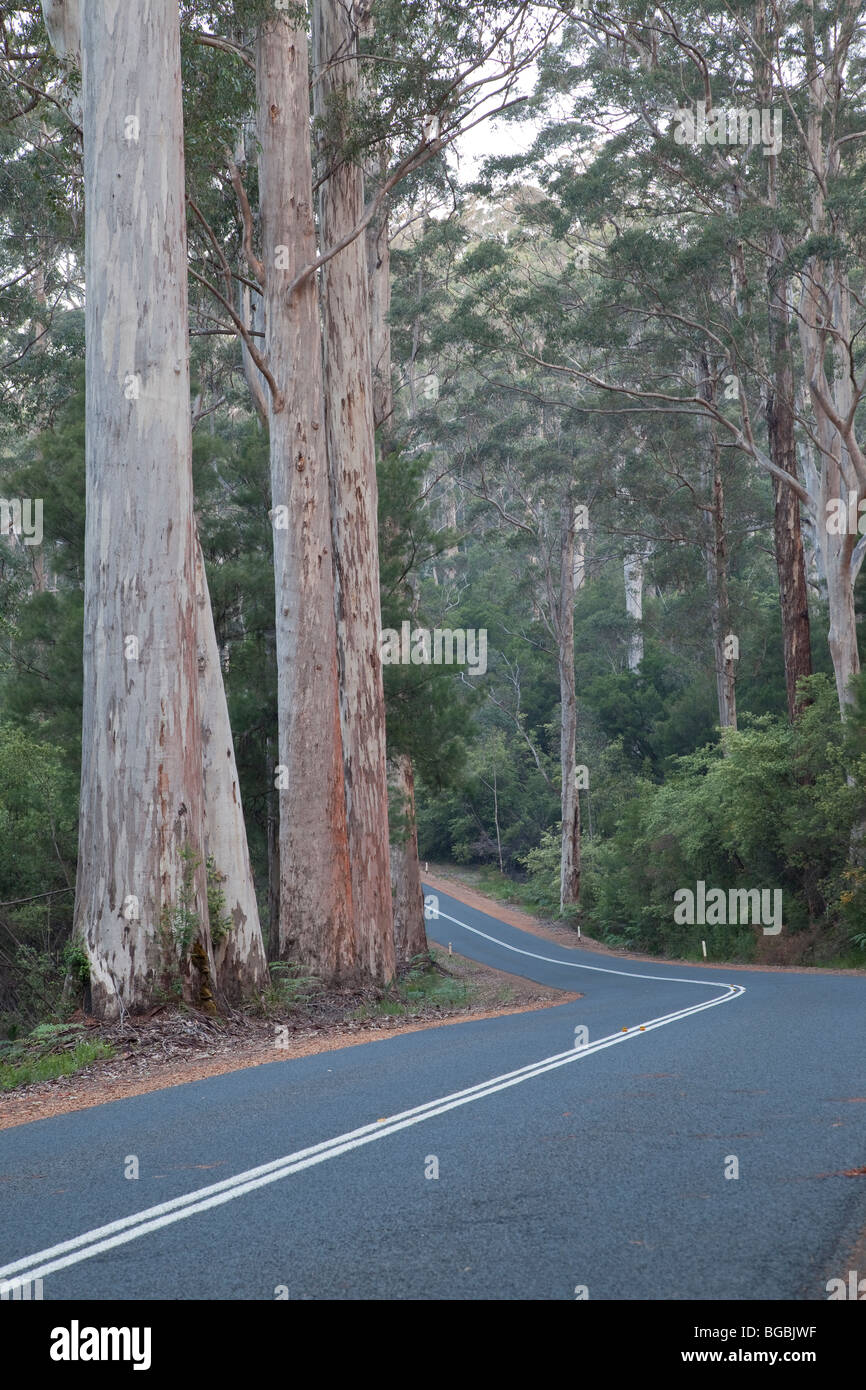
(128, 1228)
(572, 964)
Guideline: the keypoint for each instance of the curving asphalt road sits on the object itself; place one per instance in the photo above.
(560, 1168)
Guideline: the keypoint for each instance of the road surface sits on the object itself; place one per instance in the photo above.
(564, 1171)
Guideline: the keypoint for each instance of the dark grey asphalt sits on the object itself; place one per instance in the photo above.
(607, 1171)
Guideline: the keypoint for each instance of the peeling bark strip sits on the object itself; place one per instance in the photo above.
(315, 879)
(354, 495)
(141, 785)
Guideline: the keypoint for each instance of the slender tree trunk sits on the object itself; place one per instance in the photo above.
(354, 495)
(142, 802)
(842, 637)
(62, 20)
(569, 875)
(579, 559)
(633, 573)
(63, 23)
(239, 953)
(824, 324)
(248, 306)
(496, 821)
(716, 558)
(790, 557)
(316, 925)
(717, 581)
(379, 283)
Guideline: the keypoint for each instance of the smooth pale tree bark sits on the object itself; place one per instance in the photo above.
(633, 574)
(716, 552)
(410, 934)
(241, 966)
(354, 493)
(379, 282)
(569, 873)
(272, 812)
(827, 343)
(790, 557)
(716, 557)
(316, 913)
(141, 837)
(580, 539)
(781, 409)
(63, 23)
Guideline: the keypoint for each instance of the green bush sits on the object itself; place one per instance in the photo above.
(770, 806)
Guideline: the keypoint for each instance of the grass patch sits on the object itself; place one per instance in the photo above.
(50, 1050)
(427, 984)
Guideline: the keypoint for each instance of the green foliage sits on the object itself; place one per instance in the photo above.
(38, 842)
(220, 920)
(542, 873)
(290, 988)
(49, 1065)
(77, 961)
(181, 921)
(426, 984)
(768, 808)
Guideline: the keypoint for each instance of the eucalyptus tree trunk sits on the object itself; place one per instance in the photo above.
(316, 910)
(790, 556)
(354, 493)
(781, 408)
(633, 576)
(410, 934)
(827, 342)
(580, 559)
(62, 20)
(569, 869)
(716, 558)
(716, 553)
(379, 282)
(141, 902)
(241, 965)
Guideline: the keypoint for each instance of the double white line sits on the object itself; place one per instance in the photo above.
(104, 1238)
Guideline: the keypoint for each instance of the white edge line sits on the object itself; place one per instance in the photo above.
(573, 964)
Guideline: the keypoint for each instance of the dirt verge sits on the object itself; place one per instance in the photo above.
(169, 1048)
